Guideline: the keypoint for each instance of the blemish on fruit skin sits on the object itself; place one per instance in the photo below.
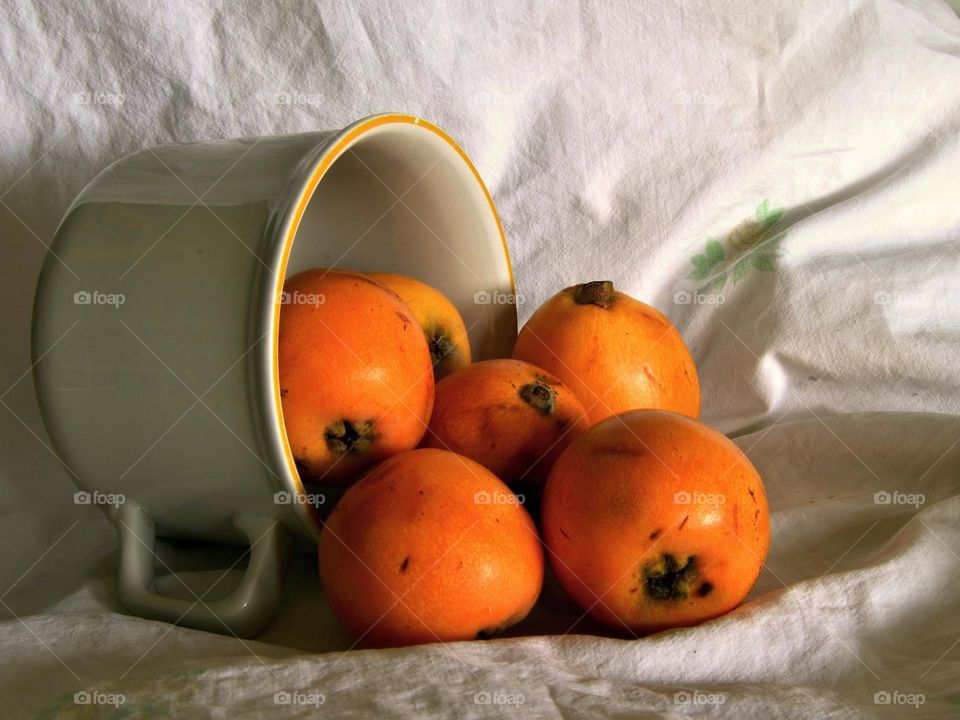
(283, 393)
(618, 450)
(654, 319)
(668, 578)
(405, 564)
(684, 521)
(564, 533)
(491, 419)
(406, 320)
(656, 533)
(648, 371)
(364, 279)
(705, 589)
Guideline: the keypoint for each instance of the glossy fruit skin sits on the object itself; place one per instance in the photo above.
(430, 546)
(480, 411)
(356, 383)
(633, 499)
(441, 322)
(621, 357)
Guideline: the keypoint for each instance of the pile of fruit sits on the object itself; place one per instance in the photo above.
(648, 518)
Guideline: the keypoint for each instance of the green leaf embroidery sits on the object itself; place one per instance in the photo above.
(767, 216)
(741, 268)
(703, 264)
(714, 252)
(701, 267)
(746, 248)
(762, 261)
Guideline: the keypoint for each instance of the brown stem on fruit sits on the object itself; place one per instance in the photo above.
(598, 292)
(346, 436)
(540, 396)
(669, 579)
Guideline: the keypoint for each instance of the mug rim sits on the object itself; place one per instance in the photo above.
(285, 234)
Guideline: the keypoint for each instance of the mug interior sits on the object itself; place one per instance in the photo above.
(401, 198)
(396, 194)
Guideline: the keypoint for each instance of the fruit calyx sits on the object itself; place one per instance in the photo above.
(346, 436)
(540, 396)
(599, 292)
(441, 347)
(667, 578)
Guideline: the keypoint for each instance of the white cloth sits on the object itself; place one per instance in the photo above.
(617, 140)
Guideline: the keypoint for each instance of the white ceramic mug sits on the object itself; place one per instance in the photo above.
(156, 315)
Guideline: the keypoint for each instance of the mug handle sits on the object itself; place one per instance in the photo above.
(244, 612)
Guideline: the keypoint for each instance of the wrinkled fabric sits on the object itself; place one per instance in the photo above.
(780, 180)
